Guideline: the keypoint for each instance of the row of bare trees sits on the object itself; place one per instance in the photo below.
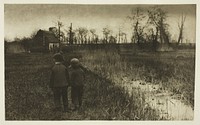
(151, 26)
(147, 26)
(83, 35)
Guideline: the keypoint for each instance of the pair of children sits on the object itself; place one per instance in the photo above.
(61, 78)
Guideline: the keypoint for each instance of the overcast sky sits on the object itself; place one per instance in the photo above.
(22, 19)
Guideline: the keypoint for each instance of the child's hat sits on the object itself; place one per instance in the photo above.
(58, 57)
(74, 61)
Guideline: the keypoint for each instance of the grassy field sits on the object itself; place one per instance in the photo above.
(28, 97)
(173, 71)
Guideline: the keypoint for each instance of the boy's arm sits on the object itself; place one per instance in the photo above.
(51, 80)
(72, 78)
(84, 76)
(67, 76)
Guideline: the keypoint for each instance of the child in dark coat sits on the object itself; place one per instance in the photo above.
(77, 83)
(59, 83)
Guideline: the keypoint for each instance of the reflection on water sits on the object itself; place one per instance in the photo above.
(168, 105)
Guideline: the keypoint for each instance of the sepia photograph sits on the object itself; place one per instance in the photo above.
(102, 62)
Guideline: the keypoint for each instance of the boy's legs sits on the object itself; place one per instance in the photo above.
(80, 95)
(74, 96)
(65, 98)
(57, 97)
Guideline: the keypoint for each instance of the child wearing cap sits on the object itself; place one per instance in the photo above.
(59, 82)
(77, 79)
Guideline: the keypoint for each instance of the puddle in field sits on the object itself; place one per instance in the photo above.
(165, 102)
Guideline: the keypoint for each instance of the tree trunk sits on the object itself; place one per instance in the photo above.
(180, 35)
(180, 38)
(81, 39)
(164, 36)
(155, 39)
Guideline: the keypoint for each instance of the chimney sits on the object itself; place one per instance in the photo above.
(52, 29)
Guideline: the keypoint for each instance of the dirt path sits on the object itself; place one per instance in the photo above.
(169, 106)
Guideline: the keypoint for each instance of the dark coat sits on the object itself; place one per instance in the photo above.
(77, 77)
(59, 76)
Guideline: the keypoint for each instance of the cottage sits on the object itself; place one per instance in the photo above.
(46, 40)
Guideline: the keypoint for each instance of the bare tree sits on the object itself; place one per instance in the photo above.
(106, 32)
(124, 38)
(82, 33)
(112, 39)
(70, 35)
(93, 31)
(121, 36)
(158, 17)
(181, 27)
(96, 39)
(58, 24)
(76, 37)
(138, 28)
(152, 36)
(85, 33)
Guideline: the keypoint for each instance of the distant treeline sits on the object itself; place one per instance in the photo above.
(25, 46)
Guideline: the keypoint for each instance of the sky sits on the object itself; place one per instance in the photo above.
(21, 20)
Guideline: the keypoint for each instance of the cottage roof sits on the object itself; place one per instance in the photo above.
(48, 35)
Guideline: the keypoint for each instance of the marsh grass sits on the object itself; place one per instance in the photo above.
(165, 69)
